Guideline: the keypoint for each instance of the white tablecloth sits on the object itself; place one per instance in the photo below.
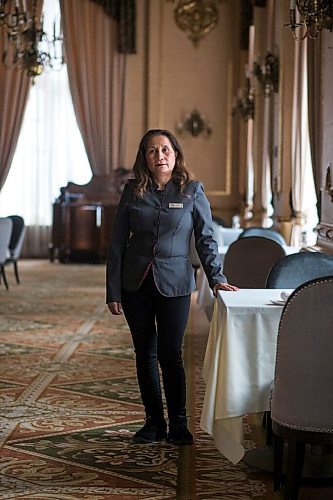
(239, 364)
(205, 298)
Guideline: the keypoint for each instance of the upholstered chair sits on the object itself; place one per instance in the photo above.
(248, 261)
(295, 269)
(16, 242)
(265, 232)
(6, 226)
(301, 401)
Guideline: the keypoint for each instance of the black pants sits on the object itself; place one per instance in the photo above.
(157, 325)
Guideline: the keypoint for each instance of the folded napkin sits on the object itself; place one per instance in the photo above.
(284, 295)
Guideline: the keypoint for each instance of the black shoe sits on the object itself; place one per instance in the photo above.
(179, 434)
(151, 431)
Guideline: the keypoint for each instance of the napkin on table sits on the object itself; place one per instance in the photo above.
(284, 295)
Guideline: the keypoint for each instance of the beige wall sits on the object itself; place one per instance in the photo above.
(169, 77)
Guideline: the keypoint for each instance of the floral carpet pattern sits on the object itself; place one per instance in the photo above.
(69, 401)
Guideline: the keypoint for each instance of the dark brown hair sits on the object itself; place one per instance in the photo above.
(143, 178)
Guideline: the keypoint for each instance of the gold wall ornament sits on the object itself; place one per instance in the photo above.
(195, 124)
(196, 17)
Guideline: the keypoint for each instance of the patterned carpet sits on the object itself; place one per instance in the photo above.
(69, 401)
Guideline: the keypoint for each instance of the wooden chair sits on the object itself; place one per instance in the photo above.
(302, 402)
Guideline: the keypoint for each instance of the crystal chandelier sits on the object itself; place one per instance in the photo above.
(26, 45)
(316, 14)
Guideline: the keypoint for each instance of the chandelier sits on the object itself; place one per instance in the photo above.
(26, 45)
(316, 14)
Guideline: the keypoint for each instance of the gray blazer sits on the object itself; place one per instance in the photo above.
(155, 231)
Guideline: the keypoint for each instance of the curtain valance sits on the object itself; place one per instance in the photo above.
(122, 11)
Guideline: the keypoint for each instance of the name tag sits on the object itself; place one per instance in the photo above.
(176, 205)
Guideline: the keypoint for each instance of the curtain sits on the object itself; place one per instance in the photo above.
(249, 192)
(96, 73)
(123, 11)
(315, 118)
(49, 153)
(14, 92)
(266, 178)
(303, 192)
(266, 182)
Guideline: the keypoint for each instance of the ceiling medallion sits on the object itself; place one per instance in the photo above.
(197, 17)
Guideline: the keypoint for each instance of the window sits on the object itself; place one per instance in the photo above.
(50, 150)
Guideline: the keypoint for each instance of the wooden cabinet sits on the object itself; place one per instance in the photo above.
(83, 218)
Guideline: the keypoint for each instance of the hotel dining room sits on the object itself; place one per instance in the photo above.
(246, 88)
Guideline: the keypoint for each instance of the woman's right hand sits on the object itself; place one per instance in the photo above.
(115, 308)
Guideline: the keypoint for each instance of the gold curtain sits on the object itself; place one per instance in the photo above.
(96, 72)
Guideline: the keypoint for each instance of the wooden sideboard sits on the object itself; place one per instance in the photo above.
(83, 218)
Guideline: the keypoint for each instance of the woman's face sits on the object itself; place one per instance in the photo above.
(160, 156)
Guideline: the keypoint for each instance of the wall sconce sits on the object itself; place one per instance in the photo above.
(268, 73)
(317, 15)
(195, 124)
(244, 102)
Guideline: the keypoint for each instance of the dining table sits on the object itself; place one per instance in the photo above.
(239, 363)
(205, 297)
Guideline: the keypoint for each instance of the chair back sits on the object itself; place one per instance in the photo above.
(6, 226)
(297, 268)
(303, 386)
(17, 238)
(249, 260)
(264, 232)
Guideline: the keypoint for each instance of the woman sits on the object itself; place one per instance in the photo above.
(150, 277)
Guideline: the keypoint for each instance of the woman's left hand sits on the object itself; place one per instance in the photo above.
(224, 286)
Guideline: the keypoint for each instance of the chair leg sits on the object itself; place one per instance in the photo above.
(269, 430)
(296, 451)
(278, 447)
(16, 272)
(3, 274)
